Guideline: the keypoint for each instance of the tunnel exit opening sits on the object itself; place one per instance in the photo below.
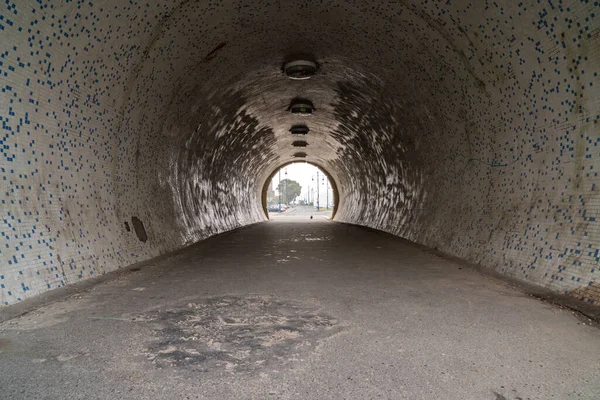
(300, 188)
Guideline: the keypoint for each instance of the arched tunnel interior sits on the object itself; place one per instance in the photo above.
(471, 128)
(131, 129)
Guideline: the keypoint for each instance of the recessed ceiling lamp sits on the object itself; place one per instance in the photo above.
(301, 107)
(300, 143)
(300, 69)
(299, 130)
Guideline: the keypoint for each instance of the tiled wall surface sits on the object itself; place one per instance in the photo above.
(515, 187)
(473, 127)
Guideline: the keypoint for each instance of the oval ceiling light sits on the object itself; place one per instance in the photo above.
(300, 69)
(299, 130)
(300, 155)
(301, 107)
(300, 143)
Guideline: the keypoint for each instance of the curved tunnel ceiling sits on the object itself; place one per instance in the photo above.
(467, 126)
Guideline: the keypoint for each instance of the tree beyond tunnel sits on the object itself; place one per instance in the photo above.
(289, 189)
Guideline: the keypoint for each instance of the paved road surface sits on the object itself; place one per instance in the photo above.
(300, 309)
(302, 211)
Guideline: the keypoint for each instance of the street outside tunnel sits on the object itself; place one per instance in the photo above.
(300, 189)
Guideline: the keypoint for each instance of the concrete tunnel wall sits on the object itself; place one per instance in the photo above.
(472, 127)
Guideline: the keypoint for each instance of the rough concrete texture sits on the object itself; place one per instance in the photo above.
(471, 127)
(300, 309)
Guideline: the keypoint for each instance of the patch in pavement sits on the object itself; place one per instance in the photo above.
(4, 344)
(238, 334)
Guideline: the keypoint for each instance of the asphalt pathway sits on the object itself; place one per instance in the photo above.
(301, 211)
(300, 309)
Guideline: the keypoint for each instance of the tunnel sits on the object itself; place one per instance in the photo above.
(133, 129)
